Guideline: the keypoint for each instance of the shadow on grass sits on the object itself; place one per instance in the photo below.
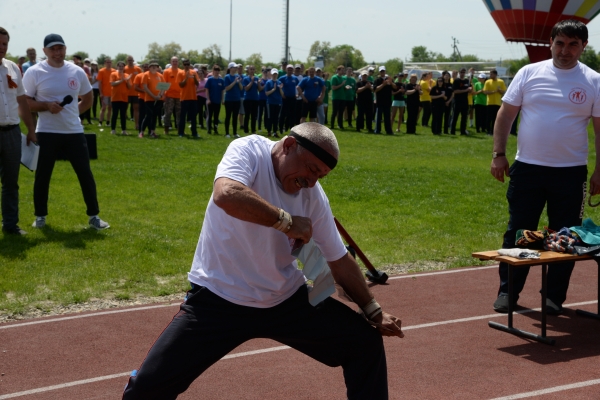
(16, 247)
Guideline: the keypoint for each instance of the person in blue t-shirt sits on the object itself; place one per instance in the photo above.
(214, 87)
(274, 92)
(262, 97)
(288, 107)
(251, 88)
(312, 90)
(233, 91)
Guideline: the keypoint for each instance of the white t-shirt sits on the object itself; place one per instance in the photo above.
(250, 264)
(46, 83)
(556, 107)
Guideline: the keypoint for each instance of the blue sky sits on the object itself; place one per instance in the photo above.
(380, 29)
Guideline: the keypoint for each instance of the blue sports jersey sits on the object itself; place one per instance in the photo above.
(215, 87)
(252, 93)
(235, 93)
(289, 85)
(312, 87)
(275, 97)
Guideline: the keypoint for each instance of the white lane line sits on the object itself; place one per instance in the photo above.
(106, 377)
(550, 390)
(45, 321)
(449, 271)
(279, 348)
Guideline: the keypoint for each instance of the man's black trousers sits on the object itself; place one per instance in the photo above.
(208, 327)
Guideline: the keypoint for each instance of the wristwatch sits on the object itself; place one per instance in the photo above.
(496, 155)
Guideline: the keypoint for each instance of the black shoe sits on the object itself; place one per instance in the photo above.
(14, 231)
(501, 304)
(453, 133)
(340, 127)
(358, 130)
(370, 131)
(552, 308)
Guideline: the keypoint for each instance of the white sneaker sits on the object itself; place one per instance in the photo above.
(39, 222)
(97, 223)
(236, 136)
(227, 136)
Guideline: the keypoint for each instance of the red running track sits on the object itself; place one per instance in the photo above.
(449, 351)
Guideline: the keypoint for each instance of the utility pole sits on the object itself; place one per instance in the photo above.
(287, 30)
(230, 25)
(455, 49)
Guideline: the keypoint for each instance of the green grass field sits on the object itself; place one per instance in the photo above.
(412, 202)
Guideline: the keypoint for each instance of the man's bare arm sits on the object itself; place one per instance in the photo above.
(504, 120)
(86, 102)
(25, 114)
(595, 179)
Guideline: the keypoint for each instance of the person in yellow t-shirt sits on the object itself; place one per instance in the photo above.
(425, 98)
(494, 88)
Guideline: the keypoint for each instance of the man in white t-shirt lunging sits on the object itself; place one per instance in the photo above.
(556, 98)
(246, 284)
(52, 87)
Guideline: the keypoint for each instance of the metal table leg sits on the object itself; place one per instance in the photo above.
(519, 332)
(588, 314)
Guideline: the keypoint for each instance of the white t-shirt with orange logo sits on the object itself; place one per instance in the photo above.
(556, 107)
(46, 83)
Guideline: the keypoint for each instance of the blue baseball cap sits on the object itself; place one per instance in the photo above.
(53, 39)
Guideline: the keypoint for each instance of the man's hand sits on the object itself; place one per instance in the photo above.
(388, 325)
(31, 137)
(54, 107)
(499, 168)
(301, 228)
(595, 183)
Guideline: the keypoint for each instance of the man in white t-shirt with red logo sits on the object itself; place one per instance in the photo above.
(53, 87)
(246, 284)
(556, 98)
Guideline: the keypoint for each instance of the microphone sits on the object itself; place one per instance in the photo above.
(67, 100)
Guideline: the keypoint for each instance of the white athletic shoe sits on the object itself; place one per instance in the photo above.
(39, 222)
(97, 223)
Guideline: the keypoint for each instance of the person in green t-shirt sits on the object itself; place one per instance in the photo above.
(350, 95)
(338, 97)
(480, 103)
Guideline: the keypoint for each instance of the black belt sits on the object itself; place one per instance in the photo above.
(4, 128)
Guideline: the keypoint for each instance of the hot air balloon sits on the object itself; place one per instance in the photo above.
(530, 21)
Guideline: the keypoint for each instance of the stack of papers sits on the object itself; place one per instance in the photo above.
(29, 154)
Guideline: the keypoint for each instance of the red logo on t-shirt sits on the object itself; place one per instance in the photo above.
(577, 96)
(73, 84)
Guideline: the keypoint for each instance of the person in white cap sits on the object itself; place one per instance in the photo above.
(233, 92)
(53, 87)
(383, 91)
(288, 108)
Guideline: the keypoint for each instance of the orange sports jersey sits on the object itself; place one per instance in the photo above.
(188, 92)
(151, 80)
(170, 76)
(138, 82)
(104, 78)
(134, 71)
(119, 92)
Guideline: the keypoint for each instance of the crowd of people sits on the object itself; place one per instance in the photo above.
(278, 99)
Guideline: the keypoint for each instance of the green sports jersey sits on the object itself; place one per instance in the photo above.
(350, 94)
(338, 94)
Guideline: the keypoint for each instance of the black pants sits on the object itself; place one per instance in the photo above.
(492, 112)
(447, 117)
(338, 112)
(208, 327)
(251, 108)
(531, 187)
(262, 113)
(481, 118)
(153, 111)
(384, 112)
(74, 146)
(426, 105)
(232, 110)
(189, 109)
(349, 105)
(298, 112)
(141, 113)
(288, 114)
(272, 124)
(119, 108)
(10, 165)
(201, 110)
(437, 109)
(364, 116)
(412, 113)
(214, 109)
(95, 101)
(463, 111)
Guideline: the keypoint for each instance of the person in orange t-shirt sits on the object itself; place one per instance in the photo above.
(132, 95)
(137, 86)
(153, 98)
(121, 84)
(104, 86)
(187, 80)
(172, 102)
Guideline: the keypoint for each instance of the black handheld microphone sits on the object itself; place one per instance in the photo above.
(67, 100)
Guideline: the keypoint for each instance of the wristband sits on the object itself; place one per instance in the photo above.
(372, 309)
(284, 224)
